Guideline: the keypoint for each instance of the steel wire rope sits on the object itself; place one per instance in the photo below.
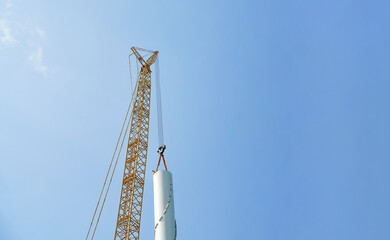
(159, 105)
(112, 174)
(112, 159)
(109, 168)
(131, 78)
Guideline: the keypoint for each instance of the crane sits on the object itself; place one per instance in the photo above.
(130, 204)
(131, 197)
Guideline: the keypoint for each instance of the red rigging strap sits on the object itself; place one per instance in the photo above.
(161, 150)
(158, 164)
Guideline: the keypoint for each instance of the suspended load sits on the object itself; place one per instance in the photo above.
(164, 211)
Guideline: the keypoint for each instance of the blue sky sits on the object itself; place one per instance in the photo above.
(276, 116)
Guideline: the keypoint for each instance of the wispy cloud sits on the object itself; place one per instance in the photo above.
(14, 33)
(8, 4)
(36, 60)
(6, 36)
(40, 32)
(36, 57)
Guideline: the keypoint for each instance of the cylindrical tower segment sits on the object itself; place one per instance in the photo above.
(164, 213)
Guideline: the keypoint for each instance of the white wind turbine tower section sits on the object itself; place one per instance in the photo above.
(164, 213)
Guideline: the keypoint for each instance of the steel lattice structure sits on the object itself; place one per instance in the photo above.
(130, 205)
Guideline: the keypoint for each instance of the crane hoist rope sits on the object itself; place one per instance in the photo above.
(159, 104)
(161, 144)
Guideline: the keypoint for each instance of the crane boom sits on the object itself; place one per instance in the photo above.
(130, 204)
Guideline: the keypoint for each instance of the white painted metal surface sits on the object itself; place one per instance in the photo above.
(164, 213)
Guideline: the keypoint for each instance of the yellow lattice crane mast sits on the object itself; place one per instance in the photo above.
(130, 205)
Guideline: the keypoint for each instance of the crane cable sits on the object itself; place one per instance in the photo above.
(159, 107)
(112, 174)
(112, 159)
